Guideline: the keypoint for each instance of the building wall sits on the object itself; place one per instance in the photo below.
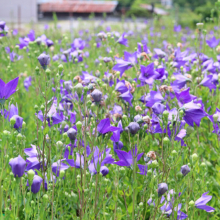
(18, 10)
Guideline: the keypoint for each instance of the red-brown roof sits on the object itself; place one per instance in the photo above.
(79, 6)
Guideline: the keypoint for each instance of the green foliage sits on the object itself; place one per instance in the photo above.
(193, 4)
(207, 11)
(137, 10)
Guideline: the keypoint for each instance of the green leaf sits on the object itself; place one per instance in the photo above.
(46, 130)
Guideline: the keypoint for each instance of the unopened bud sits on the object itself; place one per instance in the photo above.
(215, 118)
(79, 124)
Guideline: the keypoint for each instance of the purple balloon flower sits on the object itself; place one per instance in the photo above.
(148, 74)
(49, 43)
(18, 165)
(44, 60)
(130, 59)
(184, 97)
(201, 203)
(126, 158)
(185, 170)
(120, 86)
(158, 108)
(122, 40)
(2, 25)
(105, 127)
(213, 42)
(159, 53)
(35, 187)
(7, 89)
(208, 82)
(127, 97)
(177, 28)
(162, 188)
(143, 169)
(193, 113)
(151, 98)
(58, 166)
(27, 83)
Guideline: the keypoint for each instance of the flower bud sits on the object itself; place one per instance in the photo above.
(42, 107)
(96, 95)
(45, 197)
(215, 118)
(133, 127)
(174, 153)
(189, 129)
(59, 144)
(162, 188)
(48, 72)
(185, 170)
(200, 25)
(166, 140)
(86, 89)
(30, 175)
(12, 120)
(165, 114)
(203, 165)
(194, 157)
(23, 124)
(141, 204)
(79, 125)
(181, 113)
(79, 88)
(36, 108)
(19, 136)
(72, 134)
(60, 68)
(44, 60)
(154, 164)
(62, 173)
(191, 203)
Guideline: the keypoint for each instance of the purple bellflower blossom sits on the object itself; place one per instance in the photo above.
(120, 86)
(44, 60)
(151, 98)
(193, 113)
(104, 126)
(130, 59)
(18, 165)
(31, 152)
(126, 158)
(177, 28)
(116, 134)
(100, 158)
(184, 97)
(54, 115)
(148, 74)
(162, 188)
(213, 42)
(27, 82)
(122, 40)
(7, 89)
(201, 203)
(35, 187)
(159, 53)
(127, 97)
(158, 108)
(208, 82)
(58, 166)
(117, 145)
(143, 169)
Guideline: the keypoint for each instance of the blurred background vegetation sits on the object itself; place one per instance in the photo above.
(184, 12)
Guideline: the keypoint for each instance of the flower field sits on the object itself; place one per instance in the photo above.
(116, 123)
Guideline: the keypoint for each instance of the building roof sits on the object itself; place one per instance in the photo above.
(158, 11)
(79, 6)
